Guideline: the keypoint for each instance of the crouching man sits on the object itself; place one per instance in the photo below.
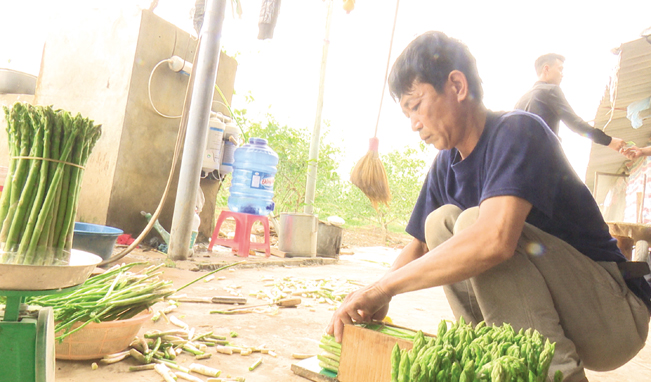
(504, 224)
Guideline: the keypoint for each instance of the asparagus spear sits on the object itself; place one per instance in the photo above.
(42, 187)
(48, 203)
(17, 180)
(26, 199)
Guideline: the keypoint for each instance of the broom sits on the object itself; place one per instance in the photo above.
(369, 174)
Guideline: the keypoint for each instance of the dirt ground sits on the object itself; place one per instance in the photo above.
(291, 330)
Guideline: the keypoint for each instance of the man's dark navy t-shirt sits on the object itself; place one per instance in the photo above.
(518, 155)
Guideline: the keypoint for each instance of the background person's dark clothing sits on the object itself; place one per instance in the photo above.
(548, 102)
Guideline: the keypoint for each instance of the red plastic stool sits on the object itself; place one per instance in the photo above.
(241, 242)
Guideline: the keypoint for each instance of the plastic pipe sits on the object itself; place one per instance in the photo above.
(178, 64)
(204, 75)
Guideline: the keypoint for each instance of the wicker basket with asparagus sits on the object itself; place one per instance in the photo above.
(48, 150)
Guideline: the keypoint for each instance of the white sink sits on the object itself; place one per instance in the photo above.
(15, 82)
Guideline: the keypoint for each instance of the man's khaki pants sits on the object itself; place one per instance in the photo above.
(582, 305)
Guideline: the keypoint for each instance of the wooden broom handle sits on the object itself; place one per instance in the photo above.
(386, 72)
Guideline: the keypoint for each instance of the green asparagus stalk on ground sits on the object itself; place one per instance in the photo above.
(115, 294)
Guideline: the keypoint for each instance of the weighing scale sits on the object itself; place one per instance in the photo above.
(27, 333)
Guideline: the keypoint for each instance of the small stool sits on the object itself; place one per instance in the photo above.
(241, 242)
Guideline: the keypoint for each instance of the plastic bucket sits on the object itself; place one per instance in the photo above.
(328, 243)
(95, 238)
(298, 234)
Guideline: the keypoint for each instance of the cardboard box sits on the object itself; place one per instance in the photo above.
(366, 355)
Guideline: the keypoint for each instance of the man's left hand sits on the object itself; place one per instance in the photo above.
(366, 304)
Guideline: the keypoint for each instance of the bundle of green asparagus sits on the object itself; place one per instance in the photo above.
(49, 149)
(462, 353)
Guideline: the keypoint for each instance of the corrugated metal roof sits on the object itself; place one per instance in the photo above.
(632, 82)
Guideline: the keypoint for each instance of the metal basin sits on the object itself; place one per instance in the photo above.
(298, 234)
(15, 82)
(36, 277)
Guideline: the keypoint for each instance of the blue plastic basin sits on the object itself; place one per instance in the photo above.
(95, 238)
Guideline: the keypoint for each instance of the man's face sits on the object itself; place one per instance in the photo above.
(433, 115)
(555, 72)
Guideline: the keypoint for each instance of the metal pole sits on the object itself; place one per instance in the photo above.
(641, 218)
(310, 188)
(203, 88)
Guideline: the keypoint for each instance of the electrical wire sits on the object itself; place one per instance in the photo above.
(167, 60)
(232, 116)
(183, 126)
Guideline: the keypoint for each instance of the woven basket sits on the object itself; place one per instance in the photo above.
(96, 340)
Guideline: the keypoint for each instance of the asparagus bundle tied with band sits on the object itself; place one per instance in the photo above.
(48, 150)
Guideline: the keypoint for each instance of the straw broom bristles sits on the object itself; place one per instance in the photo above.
(370, 176)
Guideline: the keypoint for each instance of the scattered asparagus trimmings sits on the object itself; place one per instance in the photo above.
(257, 363)
(205, 370)
(327, 291)
(165, 372)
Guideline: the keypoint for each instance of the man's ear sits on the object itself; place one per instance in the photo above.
(459, 84)
(544, 72)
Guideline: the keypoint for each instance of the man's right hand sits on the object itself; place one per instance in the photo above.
(617, 144)
(364, 305)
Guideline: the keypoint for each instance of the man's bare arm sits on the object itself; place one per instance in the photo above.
(412, 251)
(491, 240)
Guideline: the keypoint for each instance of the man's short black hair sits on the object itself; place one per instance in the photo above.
(430, 58)
(547, 59)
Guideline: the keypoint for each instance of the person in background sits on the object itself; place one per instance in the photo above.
(504, 224)
(546, 99)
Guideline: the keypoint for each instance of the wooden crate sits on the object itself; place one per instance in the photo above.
(366, 355)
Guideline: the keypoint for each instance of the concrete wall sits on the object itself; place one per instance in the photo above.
(86, 67)
(104, 74)
(147, 143)
(148, 140)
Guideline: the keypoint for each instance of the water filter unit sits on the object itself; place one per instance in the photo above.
(214, 143)
(221, 142)
(231, 137)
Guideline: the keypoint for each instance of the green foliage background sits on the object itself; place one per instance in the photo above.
(406, 170)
